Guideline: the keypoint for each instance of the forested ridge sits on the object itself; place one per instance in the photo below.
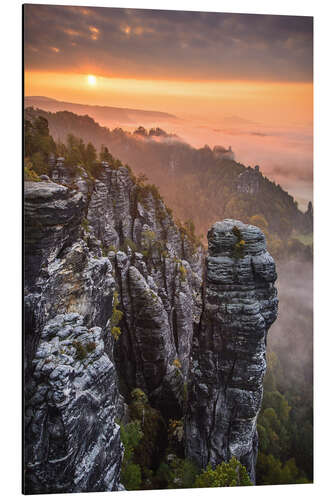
(201, 185)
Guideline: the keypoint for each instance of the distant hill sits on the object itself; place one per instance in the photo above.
(105, 114)
(203, 185)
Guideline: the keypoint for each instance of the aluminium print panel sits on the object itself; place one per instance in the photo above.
(168, 225)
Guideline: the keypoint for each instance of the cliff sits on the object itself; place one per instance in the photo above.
(114, 300)
(240, 304)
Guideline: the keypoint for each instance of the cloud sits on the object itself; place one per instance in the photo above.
(171, 44)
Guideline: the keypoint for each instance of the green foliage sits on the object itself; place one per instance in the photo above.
(105, 155)
(272, 471)
(85, 225)
(231, 473)
(285, 432)
(138, 395)
(305, 239)
(106, 250)
(147, 243)
(90, 154)
(153, 428)
(144, 190)
(183, 272)
(115, 332)
(38, 144)
(180, 473)
(74, 151)
(131, 477)
(176, 430)
(29, 173)
(116, 317)
(200, 171)
(90, 346)
(81, 351)
(39, 163)
(128, 243)
(239, 246)
(187, 230)
(235, 230)
(130, 436)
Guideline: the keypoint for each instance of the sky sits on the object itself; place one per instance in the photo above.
(235, 79)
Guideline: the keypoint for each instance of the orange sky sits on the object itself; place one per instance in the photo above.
(233, 79)
(272, 103)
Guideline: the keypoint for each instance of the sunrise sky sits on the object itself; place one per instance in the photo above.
(238, 79)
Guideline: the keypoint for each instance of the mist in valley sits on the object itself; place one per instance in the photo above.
(284, 152)
(291, 336)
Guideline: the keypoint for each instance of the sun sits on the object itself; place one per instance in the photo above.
(92, 80)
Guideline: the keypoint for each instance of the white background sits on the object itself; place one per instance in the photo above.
(11, 223)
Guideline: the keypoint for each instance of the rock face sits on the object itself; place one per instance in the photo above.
(72, 440)
(115, 298)
(240, 304)
(249, 181)
(85, 240)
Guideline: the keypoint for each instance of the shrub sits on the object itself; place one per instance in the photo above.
(130, 435)
(81, 352)
(85, 225)
(138, 395)
(183, 272)
(116, 317)
(91, 346)
(231, 473)
(106, 250)
(239, 247)
(176, 429)
(115, 332)
(188, 230)
(181, 473)
(128, 243)
(237, 232)
(30, 174)
(131, 476)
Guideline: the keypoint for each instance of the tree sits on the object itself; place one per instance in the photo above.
(271, 470)
(75, 152)
(91, 155)
(42, 126)
(105, 155)
(130, 436)
(231, 473)
(141, 131)
(38, 144)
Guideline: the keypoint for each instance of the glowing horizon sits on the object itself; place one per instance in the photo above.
(272, 102)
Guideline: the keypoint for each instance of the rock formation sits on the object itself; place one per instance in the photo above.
(249, 181)
(228, 366)
(87, 239)
(72, 440)
(114, 298)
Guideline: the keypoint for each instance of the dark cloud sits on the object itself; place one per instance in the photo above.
(168, 44)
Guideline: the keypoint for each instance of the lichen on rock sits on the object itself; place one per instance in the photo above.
(226, 381)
